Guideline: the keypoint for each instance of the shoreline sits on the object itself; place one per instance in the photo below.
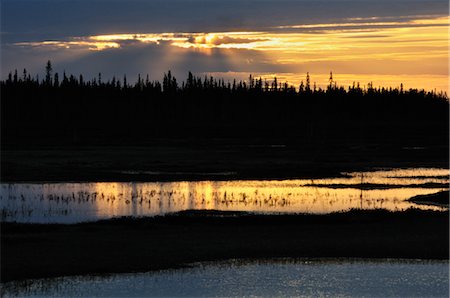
(440, 199)
(173, 241)
(240, 262)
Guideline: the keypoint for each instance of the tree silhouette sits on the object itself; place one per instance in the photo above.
(330, 86)
(100, 109)
(48, 73)
(56, 80)
(308, 83)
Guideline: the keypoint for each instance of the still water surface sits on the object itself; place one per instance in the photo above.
(78, 202)
(269, 278)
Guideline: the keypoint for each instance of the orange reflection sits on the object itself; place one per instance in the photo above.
(299, 196)
(74, 202)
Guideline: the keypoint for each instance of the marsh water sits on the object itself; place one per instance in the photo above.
(267, 278)
(78, 202)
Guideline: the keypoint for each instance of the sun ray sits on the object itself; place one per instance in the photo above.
(375, 41)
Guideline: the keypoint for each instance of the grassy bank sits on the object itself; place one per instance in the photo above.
(437, 199)
(131, 245)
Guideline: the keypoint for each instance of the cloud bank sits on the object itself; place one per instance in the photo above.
(284, 38)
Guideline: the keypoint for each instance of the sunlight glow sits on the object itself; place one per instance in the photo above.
(335, 37)
(90, 45)
(374, 45)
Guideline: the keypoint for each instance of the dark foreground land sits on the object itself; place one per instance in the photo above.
(215, 159)
(133, 245)
(77, 130)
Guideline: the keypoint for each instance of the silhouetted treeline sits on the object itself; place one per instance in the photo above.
(68, 109)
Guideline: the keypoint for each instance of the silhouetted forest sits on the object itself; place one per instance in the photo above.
(67, 109)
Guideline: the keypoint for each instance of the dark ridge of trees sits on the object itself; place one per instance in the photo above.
(69, 109)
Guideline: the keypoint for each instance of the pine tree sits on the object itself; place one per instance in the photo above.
(330, 81)
(56, 80)
(48, 73)
(308, 83)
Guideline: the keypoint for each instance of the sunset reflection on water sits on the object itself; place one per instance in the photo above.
(77, 202)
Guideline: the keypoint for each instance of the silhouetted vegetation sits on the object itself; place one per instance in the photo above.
(72, 110)
(438, 199)
(144, 244)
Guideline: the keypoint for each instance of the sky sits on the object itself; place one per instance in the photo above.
(386, 42)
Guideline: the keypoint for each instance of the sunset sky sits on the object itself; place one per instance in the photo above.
(384, 41)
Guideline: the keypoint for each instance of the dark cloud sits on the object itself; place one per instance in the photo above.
(357, 27)
(149, 59)
(27, 20)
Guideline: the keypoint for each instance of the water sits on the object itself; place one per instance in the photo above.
(281, 278)
(78, 202)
